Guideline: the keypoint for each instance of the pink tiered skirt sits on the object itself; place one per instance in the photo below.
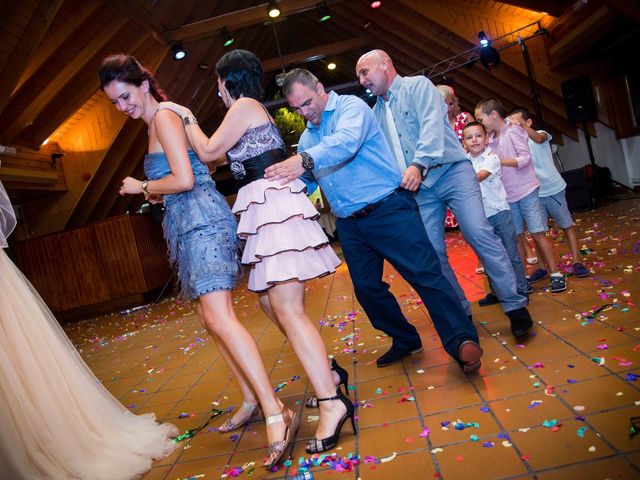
(284, 240)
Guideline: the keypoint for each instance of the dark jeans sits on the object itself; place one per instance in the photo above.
(394, 232)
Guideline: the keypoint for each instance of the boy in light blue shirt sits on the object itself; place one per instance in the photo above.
(552, 197)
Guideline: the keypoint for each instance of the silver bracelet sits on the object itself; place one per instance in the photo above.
(189, 121)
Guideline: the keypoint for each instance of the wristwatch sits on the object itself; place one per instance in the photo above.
(422, 168)
(144, 186)
(307, 161)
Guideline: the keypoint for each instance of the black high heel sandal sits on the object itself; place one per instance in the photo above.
(318, 445)
(312, 402)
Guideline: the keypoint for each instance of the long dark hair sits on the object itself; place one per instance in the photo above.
(125, 68)
(242, 72)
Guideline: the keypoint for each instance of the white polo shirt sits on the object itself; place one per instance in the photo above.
(494, 196)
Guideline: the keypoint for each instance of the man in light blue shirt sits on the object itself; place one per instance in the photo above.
(344, 150)
(414, 119)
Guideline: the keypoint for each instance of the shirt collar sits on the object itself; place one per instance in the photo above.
(394, 88)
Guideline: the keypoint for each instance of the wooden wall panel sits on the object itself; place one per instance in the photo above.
(117, 247)
(111, 259)
(80, 269)
(152, 250)
(37, 262)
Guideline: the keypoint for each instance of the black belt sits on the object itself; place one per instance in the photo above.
(365, 211)
(253, 168)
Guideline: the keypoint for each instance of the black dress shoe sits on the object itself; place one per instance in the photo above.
(395, 354)
(469, 354)
(489, 299)
(521, 322)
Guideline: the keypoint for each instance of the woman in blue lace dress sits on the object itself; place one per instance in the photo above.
(199, 228)
(285, 244)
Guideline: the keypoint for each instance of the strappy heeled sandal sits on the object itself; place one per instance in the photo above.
(254, 415)
(279, 447)
(312, 402)
(318, 445)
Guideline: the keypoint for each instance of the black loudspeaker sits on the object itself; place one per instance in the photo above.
(577, 192)
(579, 100)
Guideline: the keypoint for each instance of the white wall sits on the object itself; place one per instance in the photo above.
(622, 157)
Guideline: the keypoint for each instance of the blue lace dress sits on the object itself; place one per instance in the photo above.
(200, 230)
(284, 240)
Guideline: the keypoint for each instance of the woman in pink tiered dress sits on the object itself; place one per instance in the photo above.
(285, 244)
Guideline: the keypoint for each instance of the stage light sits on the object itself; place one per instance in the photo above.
(375, 4)
(272, 10)
(489, 57)
(331, 66)
(323, 12)
(484, 41)
(227, 39)
(178, 52)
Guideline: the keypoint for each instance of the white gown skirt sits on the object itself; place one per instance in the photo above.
(57, 421)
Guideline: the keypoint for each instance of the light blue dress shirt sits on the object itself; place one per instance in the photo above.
(353, 163)
(426, 136)
(551, 182)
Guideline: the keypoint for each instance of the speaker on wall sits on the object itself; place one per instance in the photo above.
(579, 100)
(577, 192)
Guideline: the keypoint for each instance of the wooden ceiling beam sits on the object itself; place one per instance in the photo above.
(551, 7)
(29, 42)
(54, 119)
(240, 19)
(57, 37)
(312, 54)
(29, 114)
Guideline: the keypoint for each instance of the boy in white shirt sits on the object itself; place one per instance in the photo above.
(552, 188)
(494, 198)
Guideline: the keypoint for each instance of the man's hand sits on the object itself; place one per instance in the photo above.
(411, 178)
(287, 170)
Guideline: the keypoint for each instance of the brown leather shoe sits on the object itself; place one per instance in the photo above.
(469, 355)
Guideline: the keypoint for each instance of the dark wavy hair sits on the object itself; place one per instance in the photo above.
(241, 71)
(125, 68)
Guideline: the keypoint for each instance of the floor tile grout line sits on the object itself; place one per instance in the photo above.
(566, 404)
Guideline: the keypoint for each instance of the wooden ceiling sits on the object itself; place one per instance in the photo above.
(51, 51)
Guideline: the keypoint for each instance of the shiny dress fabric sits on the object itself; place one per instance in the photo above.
(200, 230)
(57, 420)
(284, 240)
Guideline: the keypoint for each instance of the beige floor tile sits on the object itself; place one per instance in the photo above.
(544, 448)
(472, 460)
(600, 469)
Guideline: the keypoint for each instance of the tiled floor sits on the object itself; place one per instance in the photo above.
(557, 406)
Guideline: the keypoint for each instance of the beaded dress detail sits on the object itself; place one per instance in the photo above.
(199, 228)
(284, 240)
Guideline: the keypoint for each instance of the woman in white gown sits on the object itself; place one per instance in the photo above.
(57, 421)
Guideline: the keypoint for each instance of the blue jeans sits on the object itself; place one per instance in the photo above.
(459, 189)
(527, 211)
(502, 223)
(393, 232)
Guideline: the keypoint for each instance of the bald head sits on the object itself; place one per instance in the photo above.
(376, 72)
